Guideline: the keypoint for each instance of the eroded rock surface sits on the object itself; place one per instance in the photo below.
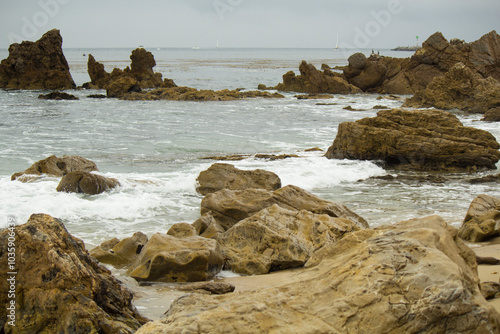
(482, 220)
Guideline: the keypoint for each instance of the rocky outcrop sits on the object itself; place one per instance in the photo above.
(57, 96)
(59, 288)
(363, 73)
(166, 258)
(81, 182)
(122, 253)
(37, 65)
(228, 207)
(482, 220)
(460, 88)
(139, 75)
(54, 166)
(416, 140)
(277, 239)
(313, 81)
(411, 277)
(193, 94)
(225, 176)
(492, 115)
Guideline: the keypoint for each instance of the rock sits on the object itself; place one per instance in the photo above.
(492, 115)
(207, 227)
(57, 96)
(488, 260)
(120, 254)
(182, 230)
(482, 220)
(193, 94)
(228, 207)
(215, 288)
(460, 88)
(59, 287)
(225, 176)
(364, 73)
(121, 86)
(314, 96)
(86, 183)
(169, 259)
(37, 65)
(273, 157)
(54, 166)
(485, 179)
(490, 290)
(416, 140)
(277, 239)
(412, 277)
(98, 75)
(313, 81)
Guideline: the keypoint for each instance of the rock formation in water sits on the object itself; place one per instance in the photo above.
(57, 96)
(81, 182)
(492, 115)
(37, 65)
(416, 140)
(482, 221)
(411, 277)
(59, 288)
(120, 253)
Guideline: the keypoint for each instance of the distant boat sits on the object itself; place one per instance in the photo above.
(337, 45)
(217, 45)
(196, 47)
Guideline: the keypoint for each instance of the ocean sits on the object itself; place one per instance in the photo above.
(156, 148)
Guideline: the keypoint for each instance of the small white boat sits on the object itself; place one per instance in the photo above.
(196, 47)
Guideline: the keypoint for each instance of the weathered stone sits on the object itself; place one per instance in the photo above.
(482, 220)
(168, 259)
(412, 277)
(37, 65)
(460, 88)
(86, 183)
(54, 166)
(490, 290)
(364, 73)
(422, 140)
(215, 288)
(121, 86)
(229, 207)
(225, 176)
(122, 253)
(57, 96)
(277, 239)
(182, 230)
(492, 115)
(59, 287)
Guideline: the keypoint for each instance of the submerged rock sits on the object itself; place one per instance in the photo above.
(492, 115)
(460, 88)
(412, 277)
(482, 220)
(57, 96)
(59, 287)
(86, 183)
(225, 176)
(37, 65)
(417, 140)
(54, 166)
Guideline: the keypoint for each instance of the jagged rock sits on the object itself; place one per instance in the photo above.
(54, 166)
(59, 287)
(225, 176)
(411, 277)
(37, 65)
(169, 259)
(228, 207)
(182, 230)
(207, 227)
(193, 94)
(121, 86)
(86, 183)
(313, 81)
(482, 220)
(492, 115)
(98, 75)
(277, 239)
(57, 96)
(490, 290)
(122, 253)
(460, 88)
(421, 140)
(363, 73)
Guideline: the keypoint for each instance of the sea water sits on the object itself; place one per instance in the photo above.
(156, 148)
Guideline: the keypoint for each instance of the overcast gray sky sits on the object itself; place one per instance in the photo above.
(246, 23)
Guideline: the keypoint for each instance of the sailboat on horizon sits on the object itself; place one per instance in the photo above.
(337, 45)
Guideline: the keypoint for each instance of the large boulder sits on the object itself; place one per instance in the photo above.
(313, 81)
(482, 220)
(58, 287)
(121, 86)
(55, 166)
(411, 277)
(492, 115)
(460, 88)
(417, 140)
(277, 239)
(37, 65)
(122, 253)
(166, 258)
(225, 176)
(364, 73)
(86, 183)
(228, 207)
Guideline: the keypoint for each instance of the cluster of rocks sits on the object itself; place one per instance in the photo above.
(75, 172)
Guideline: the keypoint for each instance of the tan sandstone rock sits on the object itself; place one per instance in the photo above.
(482, 220)
(86, 183)
(122, 253)
(54, 166)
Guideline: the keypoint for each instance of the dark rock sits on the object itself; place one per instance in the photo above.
(86, 183)
(59, 287)
(97, 96)
(482, 221)
(492, 261)
(57, 96)
(416, 140)
(485, 179)
(492, 115)
(215, 288)
(54, 166)
(490, 290)
(121, 86)
(37, 65)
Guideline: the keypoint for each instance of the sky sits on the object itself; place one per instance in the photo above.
(246, 23)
